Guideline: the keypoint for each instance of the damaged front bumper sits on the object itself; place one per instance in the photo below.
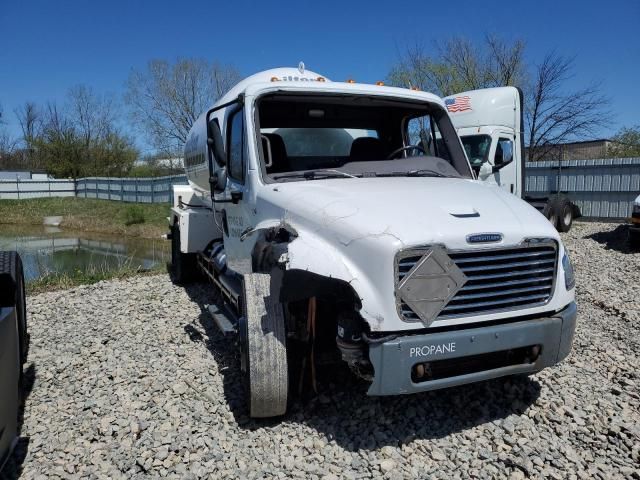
(419, 363)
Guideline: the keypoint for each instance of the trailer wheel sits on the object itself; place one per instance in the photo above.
(263, 348)
(550, 211)
(183, 265)
(565, 214)
(14, 295)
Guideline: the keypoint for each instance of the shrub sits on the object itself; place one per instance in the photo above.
(133, 214)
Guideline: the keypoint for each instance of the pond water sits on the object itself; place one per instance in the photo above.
(51, 249)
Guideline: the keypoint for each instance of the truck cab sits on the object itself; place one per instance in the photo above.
(345, 219)
(491, 127)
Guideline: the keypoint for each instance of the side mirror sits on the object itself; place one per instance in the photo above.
(215, 143)
(503, 156)
(218, 180)
(486, 169)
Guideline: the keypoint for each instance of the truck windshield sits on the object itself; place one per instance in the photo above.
(477, 149)
(355, 136)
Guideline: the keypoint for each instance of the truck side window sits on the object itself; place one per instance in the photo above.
(236, 146)
(504, 151)
(419, 133)
(424, 132)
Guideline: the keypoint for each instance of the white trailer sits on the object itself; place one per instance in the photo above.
(345, 218)
(490, 124)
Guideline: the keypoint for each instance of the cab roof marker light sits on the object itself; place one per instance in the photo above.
(380, 83)
(275, 79)
(321, 79)
(351, 80)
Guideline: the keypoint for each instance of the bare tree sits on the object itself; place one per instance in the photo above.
(92, 115)
(555, 115)
(30, 122)
(457, 65)
(7, 143)
(165, 99)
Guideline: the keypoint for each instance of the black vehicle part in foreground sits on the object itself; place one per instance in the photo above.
(13, 348)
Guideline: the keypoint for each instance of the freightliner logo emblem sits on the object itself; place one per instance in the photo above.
(484, 238)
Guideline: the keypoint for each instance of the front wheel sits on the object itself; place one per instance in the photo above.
(263, 348)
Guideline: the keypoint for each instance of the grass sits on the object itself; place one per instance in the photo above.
(146, 220)
(94, 274)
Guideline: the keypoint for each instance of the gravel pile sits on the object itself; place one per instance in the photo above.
(130, 379)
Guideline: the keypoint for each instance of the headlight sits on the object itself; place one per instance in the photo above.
(569, 275)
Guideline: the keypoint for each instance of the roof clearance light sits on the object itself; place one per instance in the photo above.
(380, 84)
(321, 79)
(415, 88)
(274, 79)
(351, 80)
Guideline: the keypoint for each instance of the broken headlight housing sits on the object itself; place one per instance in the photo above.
(569, 274)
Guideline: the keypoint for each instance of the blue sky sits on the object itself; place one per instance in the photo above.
(48, 46)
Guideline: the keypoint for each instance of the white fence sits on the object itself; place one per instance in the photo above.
(141, 190)
(21, 189)
(601, 188)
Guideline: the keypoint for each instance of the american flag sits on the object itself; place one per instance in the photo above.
(458, 104)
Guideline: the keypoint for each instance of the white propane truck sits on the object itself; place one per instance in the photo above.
(490, 124)
(345, 218)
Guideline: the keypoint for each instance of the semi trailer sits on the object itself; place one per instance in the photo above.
(344, 219)
(491, 126)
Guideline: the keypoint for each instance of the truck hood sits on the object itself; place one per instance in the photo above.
(351, 229)
(406, 211)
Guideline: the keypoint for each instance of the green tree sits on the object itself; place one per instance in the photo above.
(625, 143)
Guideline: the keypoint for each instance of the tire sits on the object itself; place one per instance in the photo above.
(183, 265)
(634, 239)
(565, 214)
(263, 348)
(11, 264)
(552, 210)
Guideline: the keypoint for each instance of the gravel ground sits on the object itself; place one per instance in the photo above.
(129, 379)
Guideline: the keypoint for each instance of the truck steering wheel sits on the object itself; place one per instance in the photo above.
(393, 154)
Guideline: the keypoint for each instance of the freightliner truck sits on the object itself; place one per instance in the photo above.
(490, 124)
(345, 219)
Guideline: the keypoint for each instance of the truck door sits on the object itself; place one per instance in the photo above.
(489, 123)
(232, 202)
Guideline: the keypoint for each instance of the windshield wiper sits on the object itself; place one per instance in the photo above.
(316, 175)
(424, 173)
(413, 173)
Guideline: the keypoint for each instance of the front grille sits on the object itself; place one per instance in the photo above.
(497, 280)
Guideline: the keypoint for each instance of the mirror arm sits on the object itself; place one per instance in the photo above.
(497, 168)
